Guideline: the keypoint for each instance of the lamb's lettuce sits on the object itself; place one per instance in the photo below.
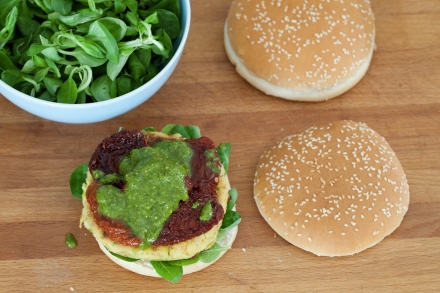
(112, 47)
(168, 271)
(77, 179)
(224, 151)
(124, 258)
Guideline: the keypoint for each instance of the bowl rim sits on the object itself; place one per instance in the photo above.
(185, 19)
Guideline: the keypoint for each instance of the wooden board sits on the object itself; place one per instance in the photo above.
(399, 97)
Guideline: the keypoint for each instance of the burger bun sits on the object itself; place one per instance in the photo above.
(333, 190)
(145, 268)
(309, 51)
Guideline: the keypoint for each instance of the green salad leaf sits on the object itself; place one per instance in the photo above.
(128, 259)
(101, 88)
(212, 253)
(173, 270)
(168, 271)
(189, 131)
(77, 179)
(61, 6)
(84, 51)
(231, 219)
(176, 128)
(233, 194)
(167, 128)
(68, 92)
(193, 131)
(7, 6)
(6, 63)
(221, 234)
(7, 32)
(224, 151)
(185, 262)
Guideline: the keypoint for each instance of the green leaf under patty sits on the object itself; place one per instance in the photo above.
(212, 253)
(185, 262)
(77, 179)
(129, 259)
(233, 194)
(224, 151)
(168, 271)
(231, 219)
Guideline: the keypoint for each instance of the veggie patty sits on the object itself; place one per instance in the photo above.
(120, 156)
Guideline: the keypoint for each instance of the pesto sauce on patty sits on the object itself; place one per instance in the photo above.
(154, 185)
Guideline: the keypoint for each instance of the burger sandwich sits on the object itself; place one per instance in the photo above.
(159, 203)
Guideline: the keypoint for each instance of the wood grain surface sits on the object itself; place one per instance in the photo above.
(399, 97)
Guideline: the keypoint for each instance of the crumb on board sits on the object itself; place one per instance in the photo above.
(72, 289)
(244, 249)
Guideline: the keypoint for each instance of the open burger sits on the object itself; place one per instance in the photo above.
(159, 203)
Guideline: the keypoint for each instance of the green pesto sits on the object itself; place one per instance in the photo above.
(110, 179)
(104, 179)
(71, 241)
(112, 201)
(206, 212)
(155, 184)
(212, 162)
(195, 205)
(210, 154)
(98, 174)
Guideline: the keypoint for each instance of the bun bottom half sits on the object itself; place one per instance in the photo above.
(144, 267)
(302, 95)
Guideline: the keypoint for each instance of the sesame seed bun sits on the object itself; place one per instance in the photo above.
(332, 190)
(309, 51)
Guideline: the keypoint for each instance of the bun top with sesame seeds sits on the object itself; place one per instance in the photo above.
(310, 50)
(333, 190)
